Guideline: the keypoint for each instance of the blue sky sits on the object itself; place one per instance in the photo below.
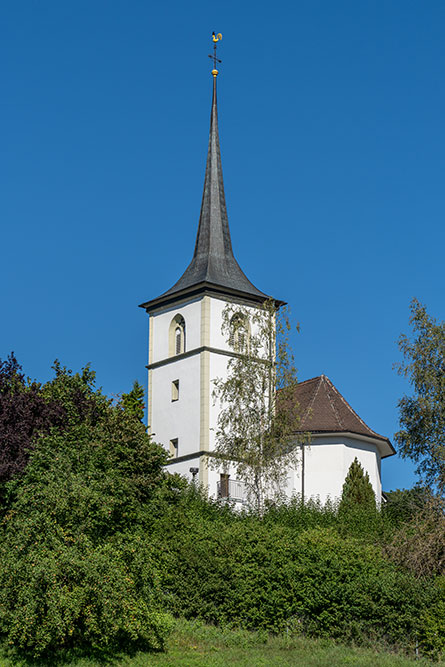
(332, 138)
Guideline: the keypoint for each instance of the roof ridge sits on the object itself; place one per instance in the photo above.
(312, 401)
(317, 377)
(334, 409)
(350, 408)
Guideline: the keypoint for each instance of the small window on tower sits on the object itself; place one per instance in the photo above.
(174, 448)
(176, 344)
(239, 333)
(175, 390)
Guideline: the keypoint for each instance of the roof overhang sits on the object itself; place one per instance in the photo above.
(201, 288)
(384, 445)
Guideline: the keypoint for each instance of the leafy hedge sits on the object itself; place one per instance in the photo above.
(242, 571)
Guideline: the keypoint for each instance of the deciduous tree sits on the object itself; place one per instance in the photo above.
(422, 415)
(258, 414)
(25, 412)
(76, 569)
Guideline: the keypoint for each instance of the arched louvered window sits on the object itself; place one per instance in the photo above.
(239, 333)
(176, 343)
(178, 340)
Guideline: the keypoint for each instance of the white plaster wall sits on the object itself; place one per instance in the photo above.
(191, 312)
(327, 461)
(218, 368)
(183, 467)
(177, 419)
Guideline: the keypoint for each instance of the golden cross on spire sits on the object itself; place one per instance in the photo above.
(216, 39)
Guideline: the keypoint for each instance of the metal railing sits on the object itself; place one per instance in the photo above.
(231, 489)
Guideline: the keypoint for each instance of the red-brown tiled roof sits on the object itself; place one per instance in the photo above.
(324, 410)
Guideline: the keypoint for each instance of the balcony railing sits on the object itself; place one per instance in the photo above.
(231, 489)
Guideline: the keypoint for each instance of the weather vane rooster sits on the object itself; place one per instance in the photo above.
(216, 39)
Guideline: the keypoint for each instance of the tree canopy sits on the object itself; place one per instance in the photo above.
(75, 569)
(422, 415)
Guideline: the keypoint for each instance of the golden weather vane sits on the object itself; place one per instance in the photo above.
(216, 39)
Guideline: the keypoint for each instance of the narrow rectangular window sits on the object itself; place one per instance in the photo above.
(175, 390)
(174, 448)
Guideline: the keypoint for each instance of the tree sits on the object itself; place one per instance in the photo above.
(419, 542)
(422, 416)
(25, 412)
(258, 415)
(76, 568)
(133, 402)
(403, 504)
(357, 489)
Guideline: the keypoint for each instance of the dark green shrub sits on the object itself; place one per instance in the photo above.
(259, 575)
(66, 592)
(432, 624)
(303, 516)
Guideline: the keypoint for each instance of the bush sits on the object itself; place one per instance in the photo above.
(419, 544)
(63, 593)
(432, 625)
(260, 575)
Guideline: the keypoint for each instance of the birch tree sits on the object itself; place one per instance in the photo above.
(258, 415)
(422, 415)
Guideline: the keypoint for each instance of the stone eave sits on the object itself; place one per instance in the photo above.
(201, 288)
(377, 439)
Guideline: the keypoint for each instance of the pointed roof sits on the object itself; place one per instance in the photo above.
(213, 266)
(324, 410)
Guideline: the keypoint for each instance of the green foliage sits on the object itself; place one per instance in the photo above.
(98, 546)
(133, 402)
(64, 591)
(75, 569)
(76, 392)
(357, 489)
(422, 416)
(258, 574)
(403, 504)
(419, 543)
(432, 625)
(303, 516)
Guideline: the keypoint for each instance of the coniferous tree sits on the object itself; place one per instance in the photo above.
(357, 489)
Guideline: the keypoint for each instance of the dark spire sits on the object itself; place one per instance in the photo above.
(213, 265)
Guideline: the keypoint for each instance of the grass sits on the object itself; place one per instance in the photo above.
(193, 644)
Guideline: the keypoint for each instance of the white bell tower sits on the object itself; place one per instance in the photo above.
(186, 347)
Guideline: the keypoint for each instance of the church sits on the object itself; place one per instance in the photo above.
(187, 352)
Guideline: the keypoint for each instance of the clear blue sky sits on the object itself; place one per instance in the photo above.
(332, 134)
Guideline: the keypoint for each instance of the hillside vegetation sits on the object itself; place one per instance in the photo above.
(100, 550)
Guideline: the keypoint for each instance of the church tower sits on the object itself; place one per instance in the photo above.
(187, 350)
